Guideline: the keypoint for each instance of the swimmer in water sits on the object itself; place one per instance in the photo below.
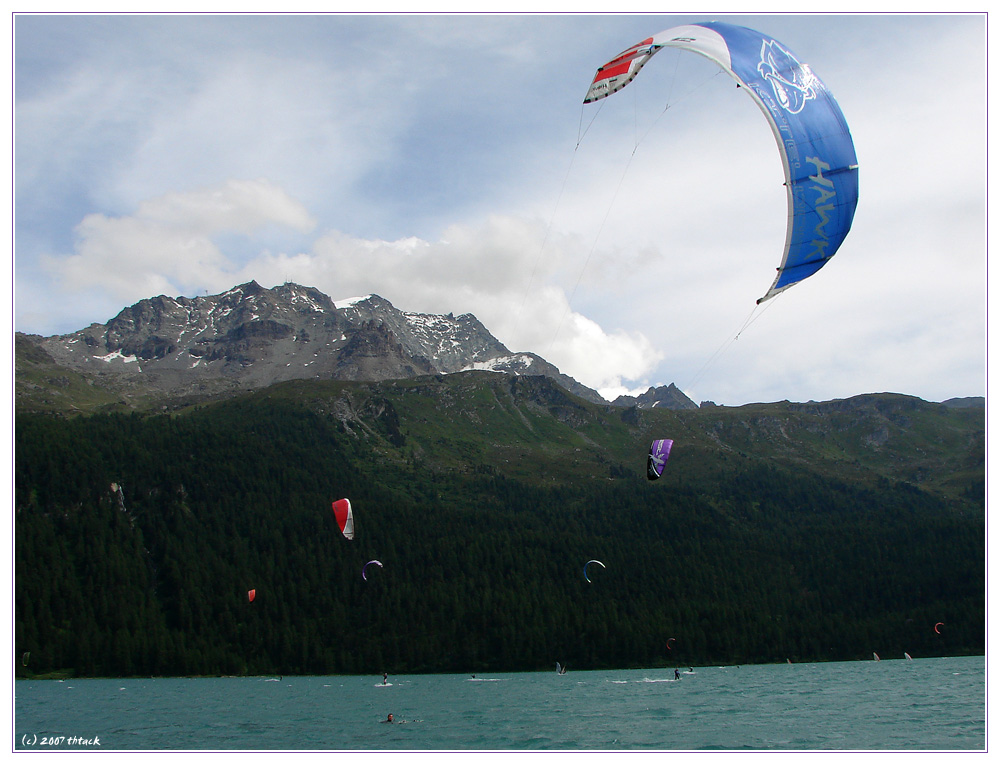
(388, 719)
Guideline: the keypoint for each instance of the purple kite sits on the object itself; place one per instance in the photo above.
(659, 452)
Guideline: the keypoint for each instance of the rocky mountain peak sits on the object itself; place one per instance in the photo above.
(249, 337)
(664, 397)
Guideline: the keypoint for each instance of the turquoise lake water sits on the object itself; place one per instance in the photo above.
(920, 705)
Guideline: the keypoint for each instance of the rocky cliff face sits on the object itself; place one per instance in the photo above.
(250, 337)
(664, 397)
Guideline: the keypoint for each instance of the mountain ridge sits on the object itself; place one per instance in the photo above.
(171, 351)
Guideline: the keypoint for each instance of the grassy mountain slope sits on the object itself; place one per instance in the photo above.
(531, 429)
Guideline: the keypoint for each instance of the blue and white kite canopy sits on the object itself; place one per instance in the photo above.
(821, 168)
(585, 565)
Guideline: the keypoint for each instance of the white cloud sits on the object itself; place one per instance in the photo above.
(240, 206)
(168, 245)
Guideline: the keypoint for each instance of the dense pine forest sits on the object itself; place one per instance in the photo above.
(778, 533)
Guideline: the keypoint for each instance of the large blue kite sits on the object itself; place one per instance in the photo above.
(821, 168)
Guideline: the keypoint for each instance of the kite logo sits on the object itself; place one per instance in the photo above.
(825, 191)
(793, 89)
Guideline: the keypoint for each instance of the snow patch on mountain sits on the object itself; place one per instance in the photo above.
(516, 363)
(117, 355)
(350, 302)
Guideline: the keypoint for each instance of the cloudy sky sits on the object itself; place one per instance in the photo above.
(447, 164)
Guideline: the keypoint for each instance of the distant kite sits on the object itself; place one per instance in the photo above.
(659, 453)
(587, 564)
(345, 517)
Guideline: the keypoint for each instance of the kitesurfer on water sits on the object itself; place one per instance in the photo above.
(385, 677)
(677, 674)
